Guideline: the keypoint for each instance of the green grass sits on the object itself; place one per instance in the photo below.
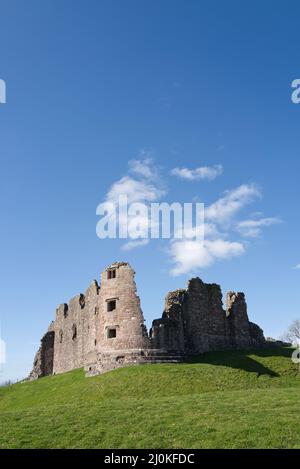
(220, 400)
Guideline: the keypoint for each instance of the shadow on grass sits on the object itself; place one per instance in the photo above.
(240, 359)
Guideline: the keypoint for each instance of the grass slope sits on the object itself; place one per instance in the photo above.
(220, 400)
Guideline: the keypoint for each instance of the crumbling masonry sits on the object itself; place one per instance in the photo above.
(105, 329)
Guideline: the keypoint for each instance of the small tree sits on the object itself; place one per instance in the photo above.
(293, 333)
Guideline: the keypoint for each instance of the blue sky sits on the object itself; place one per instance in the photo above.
(94, 85)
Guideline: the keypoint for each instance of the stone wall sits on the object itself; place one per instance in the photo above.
(167, 333)
(194, 321)
(43, 360)
(238, 328)
(75, 330)
(104, 328)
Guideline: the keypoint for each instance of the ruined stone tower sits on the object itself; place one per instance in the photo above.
(120, 311)
(121, 330)
(104, 328)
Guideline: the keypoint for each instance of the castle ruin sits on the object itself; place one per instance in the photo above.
(105, 329)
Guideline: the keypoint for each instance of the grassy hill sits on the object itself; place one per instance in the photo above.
(220, 400)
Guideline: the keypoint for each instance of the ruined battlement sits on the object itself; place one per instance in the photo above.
(104, 328)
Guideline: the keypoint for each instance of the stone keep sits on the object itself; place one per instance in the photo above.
(104, 328)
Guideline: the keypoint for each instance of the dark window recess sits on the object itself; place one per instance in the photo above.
(111, 333)
(65, 310)
(82, 301)
(95, 341)
(61, 335)
(74, 332)
(111, 305)
(111, 273)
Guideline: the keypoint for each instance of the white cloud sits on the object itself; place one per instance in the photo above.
(144, 186)
(188, 256)
(253, 228)
(135, 244)
(204, 172)
(297, 266)
(224, 209)
(206, 230)
(136, 190)
(143, 167)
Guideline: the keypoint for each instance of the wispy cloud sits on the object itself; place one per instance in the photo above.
(253, 228)
(136, 191)
(297, 267)
(225, 208)
(220, 222)
(189, 256)
(204, 172)
(142, 184)
(143, 167)
(135, 244)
